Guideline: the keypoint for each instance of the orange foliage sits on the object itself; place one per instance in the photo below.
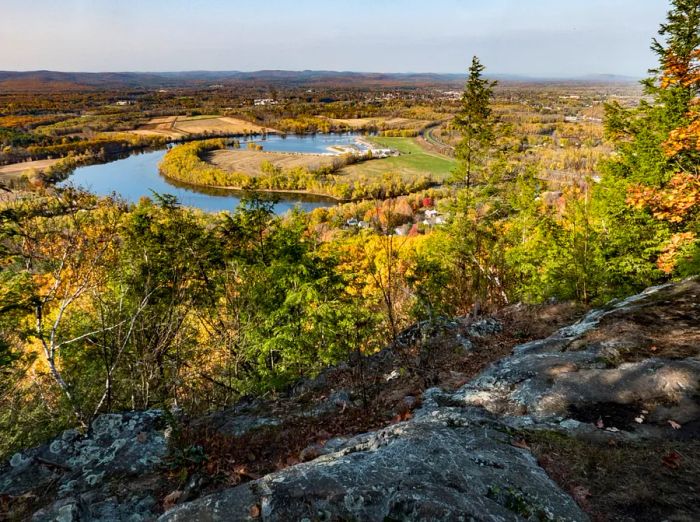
(681, 71)
(680, 197)
(669, 257)
(673, 203)
(685, 138)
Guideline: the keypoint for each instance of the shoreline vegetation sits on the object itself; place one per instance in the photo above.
(340, 178)
(188, 163)
(43, 167)
(280, 192)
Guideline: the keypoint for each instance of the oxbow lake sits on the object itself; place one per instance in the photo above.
(137, 175)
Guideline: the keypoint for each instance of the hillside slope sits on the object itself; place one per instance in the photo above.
(599, 420)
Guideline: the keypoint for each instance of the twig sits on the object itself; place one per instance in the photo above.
(52, 464)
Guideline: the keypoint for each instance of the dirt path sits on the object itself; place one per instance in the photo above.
(433, 143)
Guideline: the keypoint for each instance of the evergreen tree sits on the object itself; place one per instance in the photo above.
(475, 122)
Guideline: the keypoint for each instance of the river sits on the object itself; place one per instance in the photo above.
(137, 176)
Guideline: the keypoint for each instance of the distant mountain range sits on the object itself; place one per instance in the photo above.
(74, 81)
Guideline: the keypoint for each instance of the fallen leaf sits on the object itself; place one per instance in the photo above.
(171, 499)
(243, 471)
(254, 511)
(401, 417)
(291, 461)
(581, 494)
(639, 419)
(672, 460)
(599, 424)
(674, 425)
(520, 443)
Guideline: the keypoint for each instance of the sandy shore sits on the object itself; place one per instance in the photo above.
(15, 169)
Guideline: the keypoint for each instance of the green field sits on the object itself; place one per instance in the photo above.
(413, 161)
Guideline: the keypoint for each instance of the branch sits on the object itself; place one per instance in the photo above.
(83, 336)
(141, 307)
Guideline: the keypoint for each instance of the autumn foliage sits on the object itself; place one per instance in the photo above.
(676, 201)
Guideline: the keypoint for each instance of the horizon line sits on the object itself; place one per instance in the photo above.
(331, 71)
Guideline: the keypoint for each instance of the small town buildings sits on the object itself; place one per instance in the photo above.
(264, 101)
(433, 217)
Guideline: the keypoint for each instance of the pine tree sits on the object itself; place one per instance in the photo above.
(475, 122)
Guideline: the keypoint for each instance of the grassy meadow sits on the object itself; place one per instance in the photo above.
(413, 161)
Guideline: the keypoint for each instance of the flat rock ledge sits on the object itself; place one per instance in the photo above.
(632, 368)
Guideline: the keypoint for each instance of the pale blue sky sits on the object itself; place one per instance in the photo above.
(528, 37)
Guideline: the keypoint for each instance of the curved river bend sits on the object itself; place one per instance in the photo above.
(137, 176)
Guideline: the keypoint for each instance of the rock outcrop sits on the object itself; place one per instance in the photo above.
(632, 366)
(107, 475)
(445, 464)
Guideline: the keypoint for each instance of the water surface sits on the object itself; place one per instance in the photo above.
(313, 144)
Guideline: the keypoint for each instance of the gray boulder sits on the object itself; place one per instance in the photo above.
(103, 476)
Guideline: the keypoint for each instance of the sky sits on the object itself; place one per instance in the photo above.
(539, 38)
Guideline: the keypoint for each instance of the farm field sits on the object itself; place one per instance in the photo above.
(249, 161)
(412, 161)
(380, 122)
(181, 126)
